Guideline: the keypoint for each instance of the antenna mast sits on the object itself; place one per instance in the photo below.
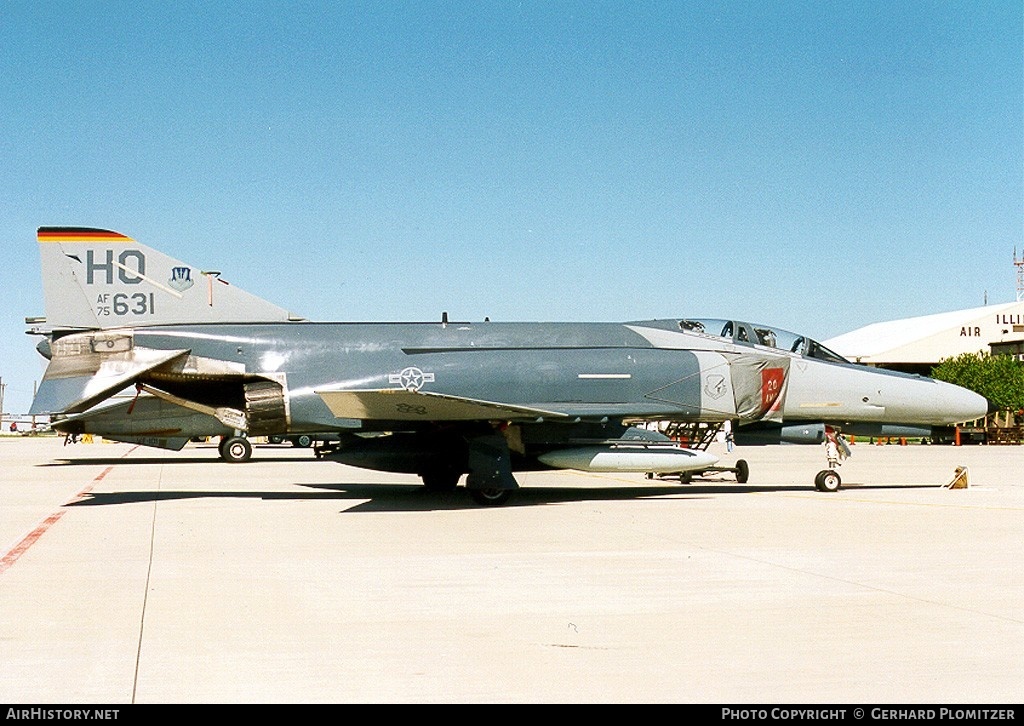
(1019, 264)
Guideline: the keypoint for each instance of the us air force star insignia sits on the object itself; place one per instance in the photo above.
(411, 378)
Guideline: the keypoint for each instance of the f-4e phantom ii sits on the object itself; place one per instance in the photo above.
(437, 399)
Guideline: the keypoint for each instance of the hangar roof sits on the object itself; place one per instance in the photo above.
(931, 338)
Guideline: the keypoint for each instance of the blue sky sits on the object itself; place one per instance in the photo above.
(817, 166)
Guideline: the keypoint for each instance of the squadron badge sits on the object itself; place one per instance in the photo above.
(181, 279)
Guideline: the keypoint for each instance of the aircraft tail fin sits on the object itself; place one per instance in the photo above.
(96, 278)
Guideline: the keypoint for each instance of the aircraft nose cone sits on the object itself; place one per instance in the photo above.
(961, 404)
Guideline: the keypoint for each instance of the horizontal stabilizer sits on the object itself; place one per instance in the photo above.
(75, 383)
(399, 404)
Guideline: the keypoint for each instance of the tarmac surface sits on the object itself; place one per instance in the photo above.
(133, 575)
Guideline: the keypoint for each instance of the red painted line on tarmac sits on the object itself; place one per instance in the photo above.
(12, 555)
(30, 539)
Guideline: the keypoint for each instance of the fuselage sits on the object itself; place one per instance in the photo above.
(587, 371)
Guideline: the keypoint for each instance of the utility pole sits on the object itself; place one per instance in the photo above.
(2, 387)
(1019, 264)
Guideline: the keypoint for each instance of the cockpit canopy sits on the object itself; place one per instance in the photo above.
(755, 334)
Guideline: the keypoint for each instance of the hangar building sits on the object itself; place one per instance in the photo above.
(916, 345)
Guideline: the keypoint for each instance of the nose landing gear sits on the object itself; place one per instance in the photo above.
(828, 480)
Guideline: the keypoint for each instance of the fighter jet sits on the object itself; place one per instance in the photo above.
(144, 348)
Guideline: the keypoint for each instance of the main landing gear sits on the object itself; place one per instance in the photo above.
(486, 460)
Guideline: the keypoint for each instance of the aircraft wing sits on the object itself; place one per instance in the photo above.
(399, 404)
